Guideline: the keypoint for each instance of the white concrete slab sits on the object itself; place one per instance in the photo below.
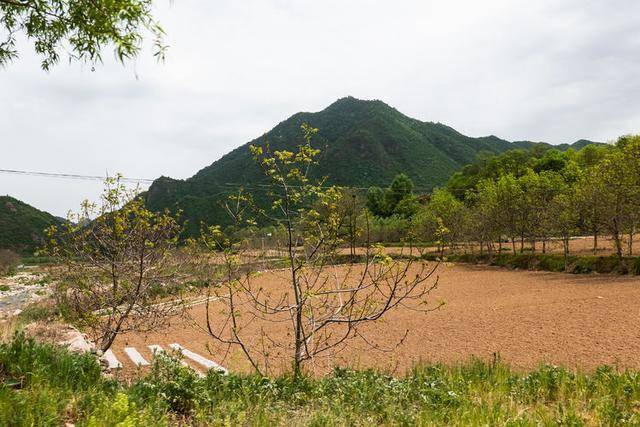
(135, 356)
(155, 349)
(112, 360)
(209, 364)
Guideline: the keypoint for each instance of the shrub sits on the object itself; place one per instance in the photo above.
(8, 262)
(607, 264)
(551, 263)
(174, 385)
(582, 265)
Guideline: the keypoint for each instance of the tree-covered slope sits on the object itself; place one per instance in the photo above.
(364, 143)
(22, 225)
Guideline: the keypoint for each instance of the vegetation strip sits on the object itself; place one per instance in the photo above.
(45, 385)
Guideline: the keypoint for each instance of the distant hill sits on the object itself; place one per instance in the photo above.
(22, 225)
(364, 143)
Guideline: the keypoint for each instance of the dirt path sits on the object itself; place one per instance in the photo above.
(579, 321)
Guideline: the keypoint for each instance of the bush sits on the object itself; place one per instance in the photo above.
(553, 262)
(636, 266)
(175, 385)
(8, 262)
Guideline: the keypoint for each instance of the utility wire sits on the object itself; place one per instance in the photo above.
(247, 186)
(71, 176)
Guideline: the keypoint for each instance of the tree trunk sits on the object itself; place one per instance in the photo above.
(544, 246)
(565, 244)
(618, 243)
(513, 244)
(595, 242)
(522, 243)
(630, 244)
(616, 239)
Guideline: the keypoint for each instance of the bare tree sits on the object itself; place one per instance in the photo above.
(114, 265)
(321, 305)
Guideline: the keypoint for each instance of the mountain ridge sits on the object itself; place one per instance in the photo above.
(363, 142)
(22, 225)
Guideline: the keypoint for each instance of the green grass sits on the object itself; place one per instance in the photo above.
(44, 385)
(553, 262)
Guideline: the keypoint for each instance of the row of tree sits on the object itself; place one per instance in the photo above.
(531, 197)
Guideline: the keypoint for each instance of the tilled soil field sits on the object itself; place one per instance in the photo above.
(525, 318)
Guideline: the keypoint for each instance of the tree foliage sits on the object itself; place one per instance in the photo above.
(114, 264)
(537, 196)
(397, 199)
(81, 28)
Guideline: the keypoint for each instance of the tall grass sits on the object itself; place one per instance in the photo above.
(44, 385)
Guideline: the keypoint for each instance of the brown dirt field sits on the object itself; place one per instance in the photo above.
(577, 321)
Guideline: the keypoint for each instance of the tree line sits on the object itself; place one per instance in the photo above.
(524, 198)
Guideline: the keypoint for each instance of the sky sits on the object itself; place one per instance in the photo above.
(544, 70)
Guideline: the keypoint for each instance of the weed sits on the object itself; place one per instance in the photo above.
(45, 385)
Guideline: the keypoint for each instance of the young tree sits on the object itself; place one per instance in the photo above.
(452, 214)
(82, 28)
(613, 176)
(539, 190)
(397, 199)
(401, 188)
(114, 262)
(376, 203)
(485, 214)
(325, 308)
(564, 217)
(630, 146)
(510, 198)
(591, 203)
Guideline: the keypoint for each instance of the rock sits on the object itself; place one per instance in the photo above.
(61, 334)
(78, 342)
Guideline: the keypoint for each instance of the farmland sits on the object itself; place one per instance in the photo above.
(525, 318)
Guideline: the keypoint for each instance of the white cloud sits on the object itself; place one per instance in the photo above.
(546, 70)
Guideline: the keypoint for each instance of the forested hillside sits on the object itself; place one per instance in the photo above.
(363, 143)
(22, 225)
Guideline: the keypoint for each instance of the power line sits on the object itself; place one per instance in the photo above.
(72, 176)
(247, 186)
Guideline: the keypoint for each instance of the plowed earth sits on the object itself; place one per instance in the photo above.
(527, 318)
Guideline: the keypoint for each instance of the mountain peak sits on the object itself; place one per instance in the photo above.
(352, 103)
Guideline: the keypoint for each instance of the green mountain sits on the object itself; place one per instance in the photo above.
(364, 143)
(22, 225)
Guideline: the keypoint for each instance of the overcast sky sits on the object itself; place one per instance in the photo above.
(553, 70)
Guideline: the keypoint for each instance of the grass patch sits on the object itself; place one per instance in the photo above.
(553, 262)
(45, 385)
